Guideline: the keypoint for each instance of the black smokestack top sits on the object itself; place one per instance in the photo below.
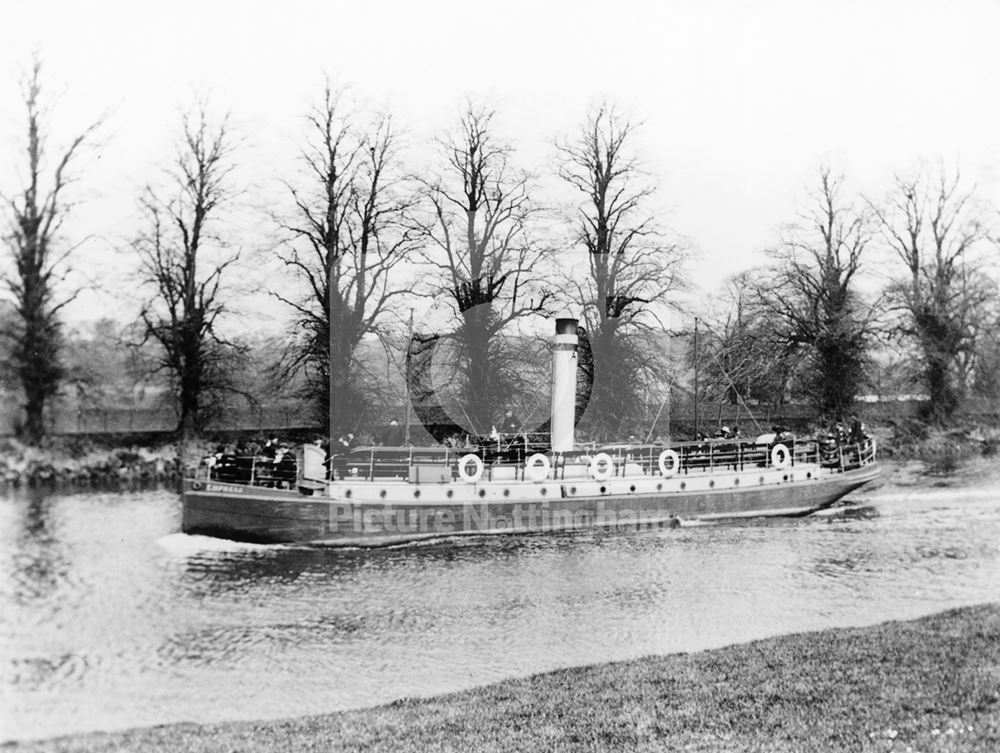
(566, 326)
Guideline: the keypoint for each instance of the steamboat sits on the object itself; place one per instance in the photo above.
(377, 496)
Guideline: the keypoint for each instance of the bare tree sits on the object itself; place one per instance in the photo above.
(986, 377)
(812, 300)
(40, 260)
(935, 226)
(183, 260)
(632, 268)
(486, 265)
(739, 359)
(348, 233)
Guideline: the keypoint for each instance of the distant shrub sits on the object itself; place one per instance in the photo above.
(944, 456)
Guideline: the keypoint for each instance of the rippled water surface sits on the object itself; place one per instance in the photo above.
(109, 618)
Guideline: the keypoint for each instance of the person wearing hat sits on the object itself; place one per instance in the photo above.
(392, 436)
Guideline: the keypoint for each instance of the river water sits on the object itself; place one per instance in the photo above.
(109, 618)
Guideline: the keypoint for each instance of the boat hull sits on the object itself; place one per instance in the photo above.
(261, 515)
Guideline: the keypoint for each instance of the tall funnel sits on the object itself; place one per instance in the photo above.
(563, 385)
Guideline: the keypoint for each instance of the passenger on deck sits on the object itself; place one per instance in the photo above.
(511, 424)
(392, 436)
(858, 434)
(285, 467)
(270, 447)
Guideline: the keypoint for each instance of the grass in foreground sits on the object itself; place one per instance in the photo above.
(932, 684)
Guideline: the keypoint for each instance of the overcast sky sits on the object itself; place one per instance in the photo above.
(741, 101)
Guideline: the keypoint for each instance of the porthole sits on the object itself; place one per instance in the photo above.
(604, 490)
(572, 490)
(544, 491)
(785, 477)
(482, 492)
(761, 479)
(632, 488)
(416, 493)
(809, 475)
(736, 482)
(347, 494)
(659, 487)
(382, 494)
(451, 493)
(711, 484)
(684, 485)
(506, 492)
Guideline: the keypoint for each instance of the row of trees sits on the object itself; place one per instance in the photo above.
(362, 233)
(804, 323)
(365, 235)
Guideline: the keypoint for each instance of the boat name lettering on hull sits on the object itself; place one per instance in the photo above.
(231, 489)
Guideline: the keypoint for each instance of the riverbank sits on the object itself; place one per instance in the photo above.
(931, 684)
(84, 463)
(910, 455)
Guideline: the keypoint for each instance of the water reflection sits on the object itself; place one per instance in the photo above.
(108, 618)
(40, 560)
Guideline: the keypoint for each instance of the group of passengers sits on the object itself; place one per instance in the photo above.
(271, 462)
(843, 444)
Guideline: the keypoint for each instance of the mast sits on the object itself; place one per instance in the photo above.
(409, 339)
(696, 377)
(331, 347)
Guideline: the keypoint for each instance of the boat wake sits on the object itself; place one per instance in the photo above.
(185, 545)
(689, 523)
(930, 494)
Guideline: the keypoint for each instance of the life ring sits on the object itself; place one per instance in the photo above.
(195, 485)
(537, 467)
(476, 461)
(595, 465)
(675, 463)
(780, 456)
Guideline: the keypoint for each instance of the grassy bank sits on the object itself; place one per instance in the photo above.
(931, 684)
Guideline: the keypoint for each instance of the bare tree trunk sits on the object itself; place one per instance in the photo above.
(484, 263)
(934, 226)
(810, 297)
(347, 233)
(37, 215)
(183, 262)
(631, 268)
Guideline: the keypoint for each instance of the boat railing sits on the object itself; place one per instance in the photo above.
(253, 470)
(510, 462)
(706, 456)
(855, 454)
